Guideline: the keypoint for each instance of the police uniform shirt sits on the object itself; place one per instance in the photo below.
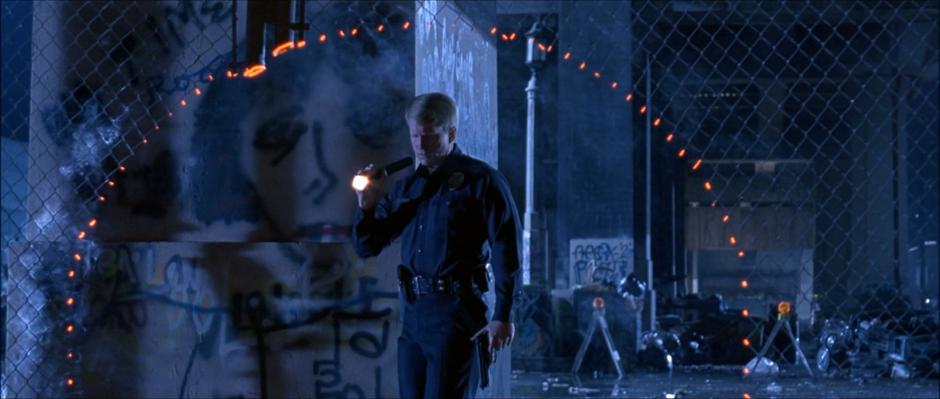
(445, 220)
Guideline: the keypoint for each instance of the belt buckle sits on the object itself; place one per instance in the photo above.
(418, 283)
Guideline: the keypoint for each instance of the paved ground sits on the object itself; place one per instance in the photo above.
(716, 384)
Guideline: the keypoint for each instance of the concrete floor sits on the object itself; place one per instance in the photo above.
(690, 383)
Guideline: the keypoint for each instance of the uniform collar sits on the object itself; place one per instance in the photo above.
(446, 165)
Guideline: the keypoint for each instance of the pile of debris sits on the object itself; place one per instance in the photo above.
(891, 340)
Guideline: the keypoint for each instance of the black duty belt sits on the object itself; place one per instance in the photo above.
(414, 286)
(420, 285)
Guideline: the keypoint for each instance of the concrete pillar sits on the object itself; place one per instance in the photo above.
(455, 54)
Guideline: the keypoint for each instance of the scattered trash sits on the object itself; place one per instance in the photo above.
(658, 350)
(762, 366)
(774, 388)
(677, 394)
(582, 390)
(900, 372)
(553, 383)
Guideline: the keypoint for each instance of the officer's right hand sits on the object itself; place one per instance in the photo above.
(369, 196)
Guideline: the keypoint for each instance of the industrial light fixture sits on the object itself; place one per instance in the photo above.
(287, 20)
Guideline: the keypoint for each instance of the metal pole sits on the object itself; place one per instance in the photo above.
(530, 216)
(234, 34)
(675, 281)
(649, 194)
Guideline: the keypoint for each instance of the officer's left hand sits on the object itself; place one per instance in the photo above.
(500, 334)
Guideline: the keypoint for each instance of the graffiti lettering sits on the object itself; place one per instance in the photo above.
(600, 260)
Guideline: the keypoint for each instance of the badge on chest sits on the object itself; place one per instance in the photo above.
(455, 181)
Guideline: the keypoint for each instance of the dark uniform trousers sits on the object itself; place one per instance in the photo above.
(436, 358)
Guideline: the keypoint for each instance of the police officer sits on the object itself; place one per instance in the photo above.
(453, 213)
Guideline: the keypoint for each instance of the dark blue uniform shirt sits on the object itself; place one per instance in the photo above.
(450, 221)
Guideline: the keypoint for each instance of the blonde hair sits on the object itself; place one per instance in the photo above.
(435, 109)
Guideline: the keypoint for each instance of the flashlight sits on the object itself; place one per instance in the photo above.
(360, 182)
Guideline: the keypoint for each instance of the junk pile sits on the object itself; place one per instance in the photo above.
(886, 337)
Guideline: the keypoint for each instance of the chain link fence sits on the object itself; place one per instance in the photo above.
(798, 145)
(84, 94)
(799, 140)
(88, 89)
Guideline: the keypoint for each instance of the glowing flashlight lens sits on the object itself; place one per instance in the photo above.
(360, 182)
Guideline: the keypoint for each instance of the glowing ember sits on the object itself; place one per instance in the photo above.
(254, 70)
(282, 48)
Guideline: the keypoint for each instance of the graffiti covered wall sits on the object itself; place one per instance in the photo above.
(230, 320)
(219, 265)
